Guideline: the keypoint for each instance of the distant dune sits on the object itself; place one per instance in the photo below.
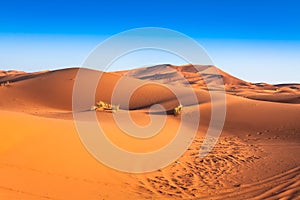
(288, 93)
(41, 155)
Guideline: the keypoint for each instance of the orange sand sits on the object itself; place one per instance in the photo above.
(41, 155)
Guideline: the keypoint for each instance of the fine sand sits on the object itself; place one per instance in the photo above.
(42, 157)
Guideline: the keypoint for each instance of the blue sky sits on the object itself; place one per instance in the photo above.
(254, 40)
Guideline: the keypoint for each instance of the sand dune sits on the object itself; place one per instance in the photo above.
(41, 155)
(57, 87)
(188, 74)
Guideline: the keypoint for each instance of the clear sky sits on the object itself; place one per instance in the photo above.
(255, 40)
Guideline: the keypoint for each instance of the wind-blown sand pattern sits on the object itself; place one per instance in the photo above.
(42, 157)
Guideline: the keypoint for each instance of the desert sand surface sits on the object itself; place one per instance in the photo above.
(42, 157)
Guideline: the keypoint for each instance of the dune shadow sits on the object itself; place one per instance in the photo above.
(168, 112)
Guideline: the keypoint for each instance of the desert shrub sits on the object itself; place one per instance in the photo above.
(177, 110)
(102, 106)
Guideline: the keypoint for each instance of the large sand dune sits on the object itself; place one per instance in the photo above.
(42, 157)
(198, 76)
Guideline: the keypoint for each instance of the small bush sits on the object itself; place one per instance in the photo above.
(177, 110)
(102, 106)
